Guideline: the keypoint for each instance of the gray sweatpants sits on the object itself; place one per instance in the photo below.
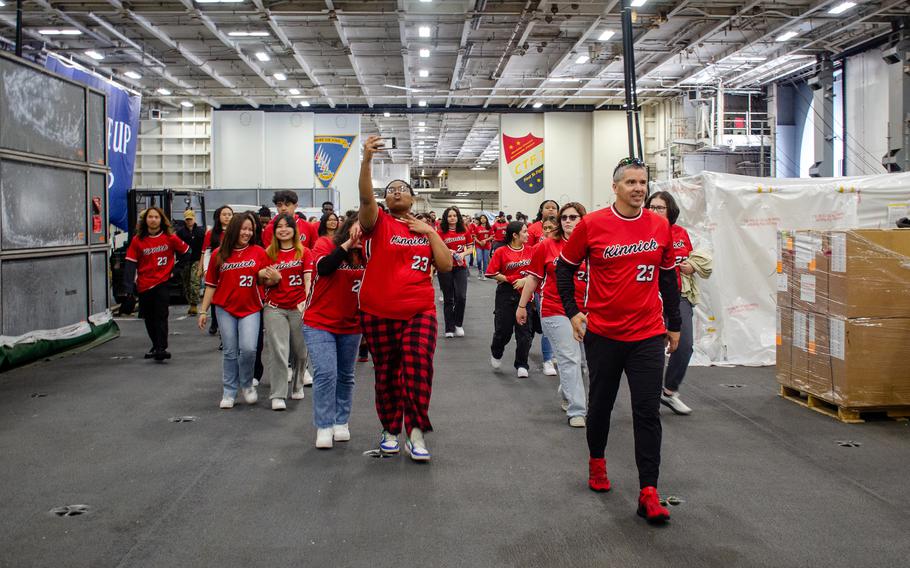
(283, 336)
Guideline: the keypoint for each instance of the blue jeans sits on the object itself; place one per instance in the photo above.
(545, 347)
(239, 336)
(679, 359)
(333, 356)
(483, 260)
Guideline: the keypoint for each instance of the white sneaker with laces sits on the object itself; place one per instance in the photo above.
(450, 334)
(548, 369)
(307, 378)
(279, 404)
(341, 433)
(388, 443)
(495, 363)
(249, 395)
(673, 402)
(577, 421)
(324, 438)
(226, 403)
(522, 373)
(459, 331)
(298, 394)
(417, 447)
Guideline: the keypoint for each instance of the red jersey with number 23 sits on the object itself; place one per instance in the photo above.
(682, 248)
(290, 290)
(511, 263)
(396, 283)
(543, 266)
(154, 258)
(624, 258)
(332, 305)
(235, 281)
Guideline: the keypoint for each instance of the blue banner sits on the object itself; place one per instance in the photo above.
(331, 150)
(122, 134)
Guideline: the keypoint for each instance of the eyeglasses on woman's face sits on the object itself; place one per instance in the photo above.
(657, 208)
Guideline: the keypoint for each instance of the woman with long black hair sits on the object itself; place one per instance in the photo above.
(548, 208)
(151, 255)
(454, 284)
(331, 327)
(220, 220)
(483, 238)
(328, 225)
(509, 268)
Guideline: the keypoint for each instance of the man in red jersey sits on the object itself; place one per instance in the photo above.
(398, 309)
(499, 231)
(631, 289)
(286, 203)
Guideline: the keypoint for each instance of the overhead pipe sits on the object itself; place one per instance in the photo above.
(18, 28)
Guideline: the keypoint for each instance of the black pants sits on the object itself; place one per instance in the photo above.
(504, 323)
(153, 308)
(454, 286)
(643, 363)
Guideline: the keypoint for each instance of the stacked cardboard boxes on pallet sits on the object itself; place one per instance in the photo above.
(843, 316)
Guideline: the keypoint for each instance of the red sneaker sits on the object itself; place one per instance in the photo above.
(597, 475)
(649, 507)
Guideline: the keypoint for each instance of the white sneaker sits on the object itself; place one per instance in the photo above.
(307, 378)
(341, 433)
(548, 369)
(577, 421)
(226, 403)
(417, 447)
(249, 395)
(255, 382)
(673, 402)
(324, 438)
(522, 373)
(450, 334)
(441, 299)
(495, 363)
(279, 404)
(298, 394)
(459, 331)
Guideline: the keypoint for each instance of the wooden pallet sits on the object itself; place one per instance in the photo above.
(846, 415)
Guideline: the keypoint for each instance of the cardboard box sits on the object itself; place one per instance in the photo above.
(784, 269)
(869, 361)
(869, 273)
(799, 353)
(819, 380)
(784, 341)
(811, 265)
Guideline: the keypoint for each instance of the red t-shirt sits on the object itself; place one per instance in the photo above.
(682, 248)
(511, 263)
(481, 233)
(624, 257)
(236, 280)
(308, 233)
(457, 243)
(154, 257)
(543, 266)
(290, 290)
(535, 233)
(499, 230)
(396, 284)
(332, 305)
(207, 241)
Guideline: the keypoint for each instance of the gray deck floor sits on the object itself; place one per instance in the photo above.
(762, 482)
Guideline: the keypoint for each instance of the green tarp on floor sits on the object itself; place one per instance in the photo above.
(82, 336)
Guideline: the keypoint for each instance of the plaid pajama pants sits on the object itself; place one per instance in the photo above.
(402, 353)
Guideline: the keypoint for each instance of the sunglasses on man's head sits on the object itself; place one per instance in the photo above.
(629, 162)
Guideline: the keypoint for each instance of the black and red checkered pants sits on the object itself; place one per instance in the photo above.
(402, 353)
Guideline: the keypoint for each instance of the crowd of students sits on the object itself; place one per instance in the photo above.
(602, 288)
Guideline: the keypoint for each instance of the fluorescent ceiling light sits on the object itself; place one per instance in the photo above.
(387, 114)
(53, 32)
(424, 52)
(538, 105)
(94, 55)
(422, 103)
(133, 75)
(186, 104)
(582, 59)
(263, 56)
(219, 1)
(280, 77)
(477, 168)
(638, 3)
(421, 129)
(294, 91)
(564, 80)
(248, 34)
(426, 1)
(304, 103)
(163, 91)
(424, 72)
(841, 8)
(607, 34)
(421, 123)
(423, 31)
(748, 58)
(787, 36)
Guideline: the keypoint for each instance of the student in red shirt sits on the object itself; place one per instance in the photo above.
(547, 209)
(286, 203)
(483, 237)
(151, 255)
(232, 286)
(509, 267)
(328, 225)
(282, 312)
(212, 241)
(499, 231)
(454, 284)
(663, 204)
(398, 308)
(331, 327)
(631, 290)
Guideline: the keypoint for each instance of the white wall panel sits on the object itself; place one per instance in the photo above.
(567, 137)
(238, 149)
(471, 180)
(610, 144)
(866, 98)
(288, 150)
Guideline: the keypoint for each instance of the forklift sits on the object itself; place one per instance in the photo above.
(173, 202)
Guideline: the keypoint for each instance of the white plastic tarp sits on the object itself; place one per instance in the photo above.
(737, 219)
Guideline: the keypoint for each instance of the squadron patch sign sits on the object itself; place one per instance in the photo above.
(330, 154)
(524, 157)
